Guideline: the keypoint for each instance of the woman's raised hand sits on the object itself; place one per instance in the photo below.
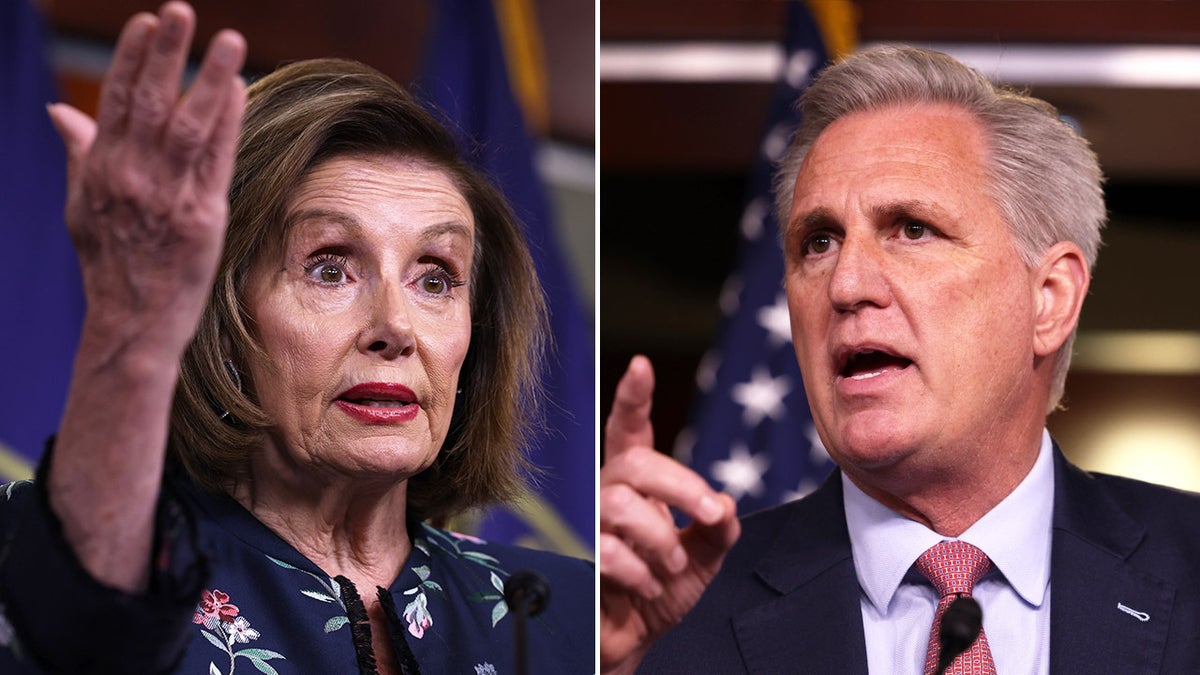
(147, 205)
(149, 180)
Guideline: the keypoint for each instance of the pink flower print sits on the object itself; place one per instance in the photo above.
(418, 617)
(239, 630)
(214, 608)
(466, 537)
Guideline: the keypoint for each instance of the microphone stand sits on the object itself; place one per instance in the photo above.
(526, 593)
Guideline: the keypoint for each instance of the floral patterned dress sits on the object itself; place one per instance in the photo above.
(229, 596)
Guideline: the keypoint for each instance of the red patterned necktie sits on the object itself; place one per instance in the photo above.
(954, 567)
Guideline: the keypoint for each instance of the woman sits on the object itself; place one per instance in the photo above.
(354, 356)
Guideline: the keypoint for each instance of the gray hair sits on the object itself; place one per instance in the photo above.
(1044, 177)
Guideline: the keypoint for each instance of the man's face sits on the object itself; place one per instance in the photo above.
(912, 314)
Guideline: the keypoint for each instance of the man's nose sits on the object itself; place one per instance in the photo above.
(859, 275)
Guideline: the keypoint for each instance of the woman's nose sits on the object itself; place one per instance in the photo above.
(389, 331)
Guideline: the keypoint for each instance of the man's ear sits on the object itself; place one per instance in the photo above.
(1059, 289)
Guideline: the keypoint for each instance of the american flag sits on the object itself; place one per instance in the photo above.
(467, 78)
(752, 435)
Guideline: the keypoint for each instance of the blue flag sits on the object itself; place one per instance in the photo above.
(752, 434)
(466, 77)
(42, 300)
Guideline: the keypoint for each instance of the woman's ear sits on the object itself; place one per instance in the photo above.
(1060, 286)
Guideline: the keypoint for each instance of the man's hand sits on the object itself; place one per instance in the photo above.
(651, 573)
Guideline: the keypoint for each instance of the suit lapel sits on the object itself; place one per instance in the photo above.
(1105, 614)
(814, 624)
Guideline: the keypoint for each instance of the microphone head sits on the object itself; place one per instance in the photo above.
(961, 624)
(525, 591)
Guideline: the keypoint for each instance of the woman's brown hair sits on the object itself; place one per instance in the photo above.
(296, 118)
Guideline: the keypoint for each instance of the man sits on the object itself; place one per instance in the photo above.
(939, 235)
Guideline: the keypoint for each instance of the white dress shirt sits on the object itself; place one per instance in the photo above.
(898, 603)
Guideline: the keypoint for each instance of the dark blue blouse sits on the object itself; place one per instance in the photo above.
(228, 595)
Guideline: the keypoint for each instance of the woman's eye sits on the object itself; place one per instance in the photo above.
(914, 230)
(329, 270)
(434, 284)
(437, 279)
(332, 274)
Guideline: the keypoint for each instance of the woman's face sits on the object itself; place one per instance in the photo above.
(364, 314)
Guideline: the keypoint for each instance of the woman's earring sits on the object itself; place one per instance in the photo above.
(234, 376)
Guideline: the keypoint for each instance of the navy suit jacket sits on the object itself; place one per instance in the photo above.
(787, 598)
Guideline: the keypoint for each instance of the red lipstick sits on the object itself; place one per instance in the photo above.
(379, 403)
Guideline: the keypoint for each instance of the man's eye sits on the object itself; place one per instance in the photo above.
(914, 230)
(819, 243)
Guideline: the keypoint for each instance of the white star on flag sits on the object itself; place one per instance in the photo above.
(730, 298)
(776, 142)
(685, 443)
(802, 490)
(761, 397)
(798, 70)
(752, 218)
(742, 473)
(750, 428)
(777, 322)
(706, 372)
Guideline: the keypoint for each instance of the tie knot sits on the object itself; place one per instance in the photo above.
(953, 567)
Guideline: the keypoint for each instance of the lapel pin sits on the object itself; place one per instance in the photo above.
(1140, 616)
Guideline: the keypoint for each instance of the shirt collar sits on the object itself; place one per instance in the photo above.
(1015, 534)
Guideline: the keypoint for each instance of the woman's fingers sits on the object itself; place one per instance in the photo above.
(217, 172)
(78, 133)
(76, 129)
(196, 121)
(116, 94)
(156, 90)
(149, 183)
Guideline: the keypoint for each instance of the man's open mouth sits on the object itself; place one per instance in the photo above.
(861, 365)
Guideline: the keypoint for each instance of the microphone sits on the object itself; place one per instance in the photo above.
(526, 593)
(961, 625)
